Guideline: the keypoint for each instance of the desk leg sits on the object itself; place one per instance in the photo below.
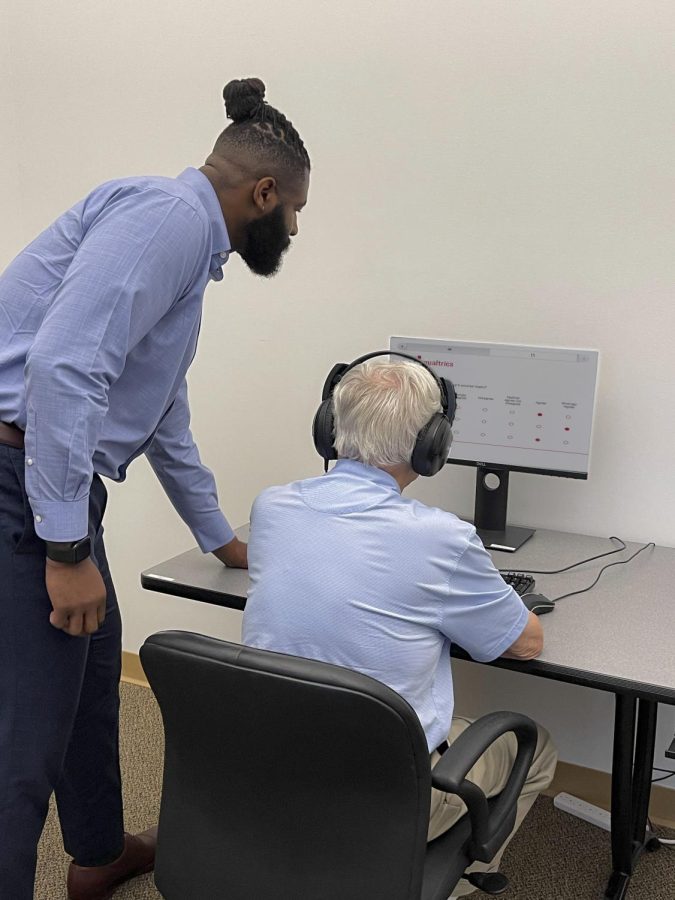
(622, 766)
(642, 768)
(631, 785)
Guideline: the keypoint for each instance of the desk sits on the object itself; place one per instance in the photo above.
(618, 637)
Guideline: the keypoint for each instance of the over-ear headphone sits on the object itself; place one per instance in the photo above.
(433, 440)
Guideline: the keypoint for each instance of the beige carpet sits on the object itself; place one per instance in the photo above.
(141, 754)
(553, 857)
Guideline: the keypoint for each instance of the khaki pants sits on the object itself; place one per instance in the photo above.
(490, 774)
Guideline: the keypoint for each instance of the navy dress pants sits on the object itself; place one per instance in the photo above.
(59, 702)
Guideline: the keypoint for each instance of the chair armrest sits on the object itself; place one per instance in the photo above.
(490, 826)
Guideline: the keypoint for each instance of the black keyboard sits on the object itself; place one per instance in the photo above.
(519, 581)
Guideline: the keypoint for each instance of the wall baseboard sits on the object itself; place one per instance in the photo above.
(587, 784)
(596, 787)
(132, 670)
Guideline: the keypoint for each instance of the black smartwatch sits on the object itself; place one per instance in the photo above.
(69, 552)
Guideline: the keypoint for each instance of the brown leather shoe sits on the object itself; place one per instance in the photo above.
(100, 882)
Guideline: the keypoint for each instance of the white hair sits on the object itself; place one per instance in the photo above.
(379, 408)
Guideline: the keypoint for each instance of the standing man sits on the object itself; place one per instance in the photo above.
(99, 318)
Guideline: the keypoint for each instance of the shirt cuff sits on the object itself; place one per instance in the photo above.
(61, 520)
(212, 531)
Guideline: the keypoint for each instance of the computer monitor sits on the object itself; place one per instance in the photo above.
(519, 408)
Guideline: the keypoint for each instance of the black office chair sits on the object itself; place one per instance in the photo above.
(291, 779)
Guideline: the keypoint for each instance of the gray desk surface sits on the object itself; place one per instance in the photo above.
(619, 636)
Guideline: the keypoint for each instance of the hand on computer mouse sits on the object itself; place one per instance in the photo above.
(538, 604)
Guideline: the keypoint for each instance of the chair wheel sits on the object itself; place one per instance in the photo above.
(489, 882)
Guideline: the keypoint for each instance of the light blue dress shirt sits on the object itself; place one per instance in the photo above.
(99, 319)
(345, 570)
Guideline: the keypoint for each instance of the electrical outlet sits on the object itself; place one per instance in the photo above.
(582, 810)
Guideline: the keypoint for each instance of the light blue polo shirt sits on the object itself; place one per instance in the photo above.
(345, 570)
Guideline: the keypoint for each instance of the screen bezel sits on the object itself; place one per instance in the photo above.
(502, 467)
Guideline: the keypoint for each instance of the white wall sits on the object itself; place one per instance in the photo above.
(481, 170)
(11, 221)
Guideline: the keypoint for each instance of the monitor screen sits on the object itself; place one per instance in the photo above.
(529, 409)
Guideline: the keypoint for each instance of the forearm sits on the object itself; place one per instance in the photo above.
(530, 643)
(192, 492)
(188, 483)
(65, 413)
(523, 655)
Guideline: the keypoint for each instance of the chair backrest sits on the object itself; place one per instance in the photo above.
(284, 778)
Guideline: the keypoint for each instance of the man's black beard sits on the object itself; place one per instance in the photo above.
(266, 241)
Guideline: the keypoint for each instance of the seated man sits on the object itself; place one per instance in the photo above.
(345, 570)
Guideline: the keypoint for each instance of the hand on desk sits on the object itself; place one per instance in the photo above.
(233, 554)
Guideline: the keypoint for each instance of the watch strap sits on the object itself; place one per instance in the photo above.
(69, 552)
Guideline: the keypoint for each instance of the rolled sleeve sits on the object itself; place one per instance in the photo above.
(188, 483)
(482, 614)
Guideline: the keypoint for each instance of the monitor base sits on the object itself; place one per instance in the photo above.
(510, 539)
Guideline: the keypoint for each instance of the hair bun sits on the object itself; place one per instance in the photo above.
(243, 98)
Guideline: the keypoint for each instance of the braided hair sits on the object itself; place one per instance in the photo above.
(259, 128)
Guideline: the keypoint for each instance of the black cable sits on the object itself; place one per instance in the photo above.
(621, 562)
(662, 778)
(573, 565)
(669, 771)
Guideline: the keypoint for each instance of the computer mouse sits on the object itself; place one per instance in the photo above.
(538, 604)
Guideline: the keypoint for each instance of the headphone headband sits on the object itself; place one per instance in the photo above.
(340, 370)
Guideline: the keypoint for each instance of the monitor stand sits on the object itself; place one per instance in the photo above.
(492, 493)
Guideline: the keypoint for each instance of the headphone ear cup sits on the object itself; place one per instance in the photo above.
(323, 430)
(450, 400)
(333, 379)
(432, 446)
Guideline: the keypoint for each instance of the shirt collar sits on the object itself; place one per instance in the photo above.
(220, 239)
(368, 473)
